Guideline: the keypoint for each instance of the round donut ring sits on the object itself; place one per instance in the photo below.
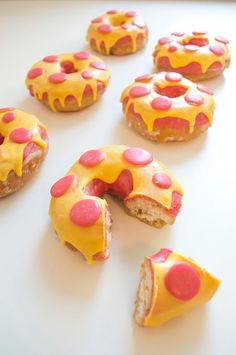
(117, 33)
(79, 214)
(68, 82)
(23, 147)
(166, 107)
(198, 56)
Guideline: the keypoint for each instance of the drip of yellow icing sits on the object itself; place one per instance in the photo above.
(91, 240)
(181, 57)
(11, 154)
(74, 85)
(180, 108)
(117, 33)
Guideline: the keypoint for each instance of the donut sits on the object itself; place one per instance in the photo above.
(80, 215)
(197, 55)
(171, 285)
(23, 147)
(117, 33)
(166, 107)
(68, 82)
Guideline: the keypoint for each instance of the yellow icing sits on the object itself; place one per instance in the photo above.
(181, 58)
(74, 84)
(180, 108)
(117, 33)
(11, 154)
(165, 306)
(91, 240)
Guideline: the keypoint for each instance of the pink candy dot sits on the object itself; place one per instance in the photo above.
(183, 281)
(82, 55)
(221, 39)
(161, 103)
(139, 91)
(85, 213)
(29, 149)
(162, 180)
(98, 65)
(217, 50)
(61, 186)
(97, 20)
(20, 135)
(172, 49)
(164, 40)
(205, 89)
(194, 99)
(131, 14)
(34, 73)
(139, 23)
(92, 157)
(124, 26)
(43, 133)
(161, 256)
(137, 156)
(198, 33)
(5, 109)
(8, 117)
(105, 28)
(51, 58)
(112, 12)
(177, 33)
(57, 78)
(87, 74)
(144, 78)
(172, 76)
(191, 48)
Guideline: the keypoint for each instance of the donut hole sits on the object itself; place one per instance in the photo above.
(197, 41)
(117, 20)
(68, 67)
(1, 139)
(171, 91)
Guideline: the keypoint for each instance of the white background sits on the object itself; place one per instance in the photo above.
(51, 301)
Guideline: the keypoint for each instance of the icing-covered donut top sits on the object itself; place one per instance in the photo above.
(59, 76)
(161, 95)
(115, 25)
(181, 49)
(20, 132)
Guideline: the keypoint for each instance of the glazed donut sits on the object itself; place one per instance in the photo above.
(23, 147)
(198, 56)
(117, 33)
(166, 107)
(81, 217)
(68, 82)
(171, 285)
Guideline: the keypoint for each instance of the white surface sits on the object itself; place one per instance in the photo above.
(51, 301)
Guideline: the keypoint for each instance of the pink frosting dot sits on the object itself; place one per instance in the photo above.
(85, 213)
(112, 12)
(144, 78)
(198, 33)
(161, 256)
(43, 133)
(205, 89)
(98, 65)
(97, 20)
(161, 103)
(5, 109)
(105, 28)
(138, 22)
(124, 26)
(51, 58)
(139, 91)
(172, 76)
(137, 156)
(172, 49)
(217, 50)
(92, 157)
(162, 180)
(191, 48)
(8, 117)
(183, 281)
(34, 73)
(57, 78)
(164, 40)
(87, 74)
(20, 135)
(82, 55)
(194, 99)
(131, 14)
(221, 39)
(177, 33)
(62, 186)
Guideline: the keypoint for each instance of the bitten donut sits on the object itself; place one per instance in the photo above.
(196, 55)
(171, 285)
(23, 147)
(81, 217)
(117, 33)
(68, 82)
(166, 107)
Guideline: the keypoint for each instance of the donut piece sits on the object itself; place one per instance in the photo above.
(23, 147)
(171, 285)
(117, 33)
(197, 55)
(68, 82)
(80, 215)
(166, 107)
